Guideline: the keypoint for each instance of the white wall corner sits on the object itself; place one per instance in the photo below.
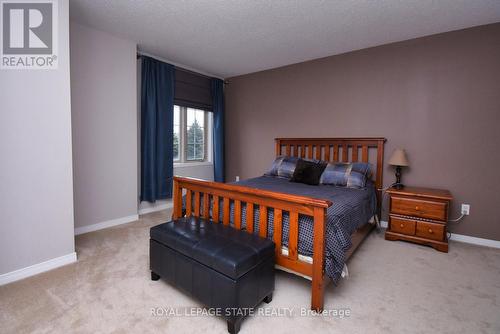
(38, 268)
(105, 224)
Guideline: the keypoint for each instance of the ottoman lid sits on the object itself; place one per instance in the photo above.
(225, 249)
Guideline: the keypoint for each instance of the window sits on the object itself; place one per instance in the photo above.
(192, 135)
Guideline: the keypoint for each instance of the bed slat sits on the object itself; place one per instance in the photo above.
(263, 221)
(354, 153)
(215, 209)
(345, 153)
(225, 211)
(318, 152)
(196, 203)
(364, 153)
(327, 153)
(249, 221)
(206, 206)
(237, 214)
(294, 235)
(189, 203)
(277, 230)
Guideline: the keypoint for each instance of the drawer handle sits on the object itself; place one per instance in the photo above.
(417, 208)
(430, 231)
(402, 225)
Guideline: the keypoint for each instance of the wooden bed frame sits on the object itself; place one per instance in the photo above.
(328, 149)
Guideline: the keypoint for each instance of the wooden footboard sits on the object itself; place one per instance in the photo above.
(368, 150)
(209, 194)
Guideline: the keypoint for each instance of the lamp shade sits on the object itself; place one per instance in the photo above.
(398, 158)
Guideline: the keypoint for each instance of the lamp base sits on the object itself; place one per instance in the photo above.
(398, 186)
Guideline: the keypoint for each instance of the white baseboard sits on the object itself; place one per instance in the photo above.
(38, 268)
(475, 241)
(106, 224)
(463, 238)
(161, 207)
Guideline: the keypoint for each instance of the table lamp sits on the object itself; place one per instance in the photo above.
(398, 159)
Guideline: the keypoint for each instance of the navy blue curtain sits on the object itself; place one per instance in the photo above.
(157, 124)
(218, 129)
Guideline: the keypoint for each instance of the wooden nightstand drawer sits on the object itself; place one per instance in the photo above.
(418, 207)
(419, 215)
(401, 225)
(430, 231)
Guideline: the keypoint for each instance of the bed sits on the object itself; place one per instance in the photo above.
(315, 228)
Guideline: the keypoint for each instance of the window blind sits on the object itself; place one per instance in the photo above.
(192, 90)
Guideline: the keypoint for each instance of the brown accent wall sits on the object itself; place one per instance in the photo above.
(438, 97)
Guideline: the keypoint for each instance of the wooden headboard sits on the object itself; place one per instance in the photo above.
(337, 150)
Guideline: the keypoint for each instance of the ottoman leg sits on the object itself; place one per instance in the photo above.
(234, 325)
(154, 276)
(269, 298)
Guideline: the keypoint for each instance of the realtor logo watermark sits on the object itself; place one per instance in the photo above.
(287, 312)
(29, 34)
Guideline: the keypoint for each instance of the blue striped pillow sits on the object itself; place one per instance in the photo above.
(350, 175)
(283, 167)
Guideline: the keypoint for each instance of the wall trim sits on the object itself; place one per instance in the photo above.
(105, 224)
(475, 241)
(464, 238)
(38, 268)
(161, 207)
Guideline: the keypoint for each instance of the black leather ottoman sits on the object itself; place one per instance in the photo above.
(224, 268)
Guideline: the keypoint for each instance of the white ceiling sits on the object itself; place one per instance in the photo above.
(232, 37)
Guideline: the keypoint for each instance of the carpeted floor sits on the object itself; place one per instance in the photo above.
(394, 287)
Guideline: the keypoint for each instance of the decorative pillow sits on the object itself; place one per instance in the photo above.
(308, 172)
(283, 167)
(273, 171)
(350, 175)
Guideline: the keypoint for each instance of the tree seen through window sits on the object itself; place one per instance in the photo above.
(190, 134)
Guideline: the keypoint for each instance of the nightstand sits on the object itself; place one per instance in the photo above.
(419, 215)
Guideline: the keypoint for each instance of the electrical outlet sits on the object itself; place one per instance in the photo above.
(465, 209)
(237, 178)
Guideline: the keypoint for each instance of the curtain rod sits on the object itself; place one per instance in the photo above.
(178, 67)
(182, 68)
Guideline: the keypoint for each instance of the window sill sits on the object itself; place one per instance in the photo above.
(192, 164)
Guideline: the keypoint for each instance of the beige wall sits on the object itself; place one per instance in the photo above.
(104, 117)
(438, 97)
(36, 186)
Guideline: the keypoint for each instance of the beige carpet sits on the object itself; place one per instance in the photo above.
(394, 287)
